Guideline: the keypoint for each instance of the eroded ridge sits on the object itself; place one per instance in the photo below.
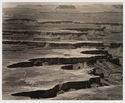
(60, 88)
(98, 67)
(102, 73)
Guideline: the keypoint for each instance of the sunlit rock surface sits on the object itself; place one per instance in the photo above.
(62, 52)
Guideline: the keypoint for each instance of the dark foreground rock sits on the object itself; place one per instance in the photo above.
(60, 88)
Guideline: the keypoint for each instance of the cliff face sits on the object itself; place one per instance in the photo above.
(105, 73)
(100, 70)
(51, 51)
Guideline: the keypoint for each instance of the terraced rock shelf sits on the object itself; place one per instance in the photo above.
(61, 52)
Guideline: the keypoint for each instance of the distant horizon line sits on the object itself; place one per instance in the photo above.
(14, 4)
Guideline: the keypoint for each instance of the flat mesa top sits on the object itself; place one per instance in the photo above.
(49, 79)
(74, 41)
(66, 31)
(70, 53)
(60, 41)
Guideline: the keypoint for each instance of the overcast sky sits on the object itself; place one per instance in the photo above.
(58, 3)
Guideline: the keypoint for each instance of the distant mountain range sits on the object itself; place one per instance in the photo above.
(72, 8)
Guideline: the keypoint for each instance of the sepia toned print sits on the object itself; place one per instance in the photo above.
(62, 51)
